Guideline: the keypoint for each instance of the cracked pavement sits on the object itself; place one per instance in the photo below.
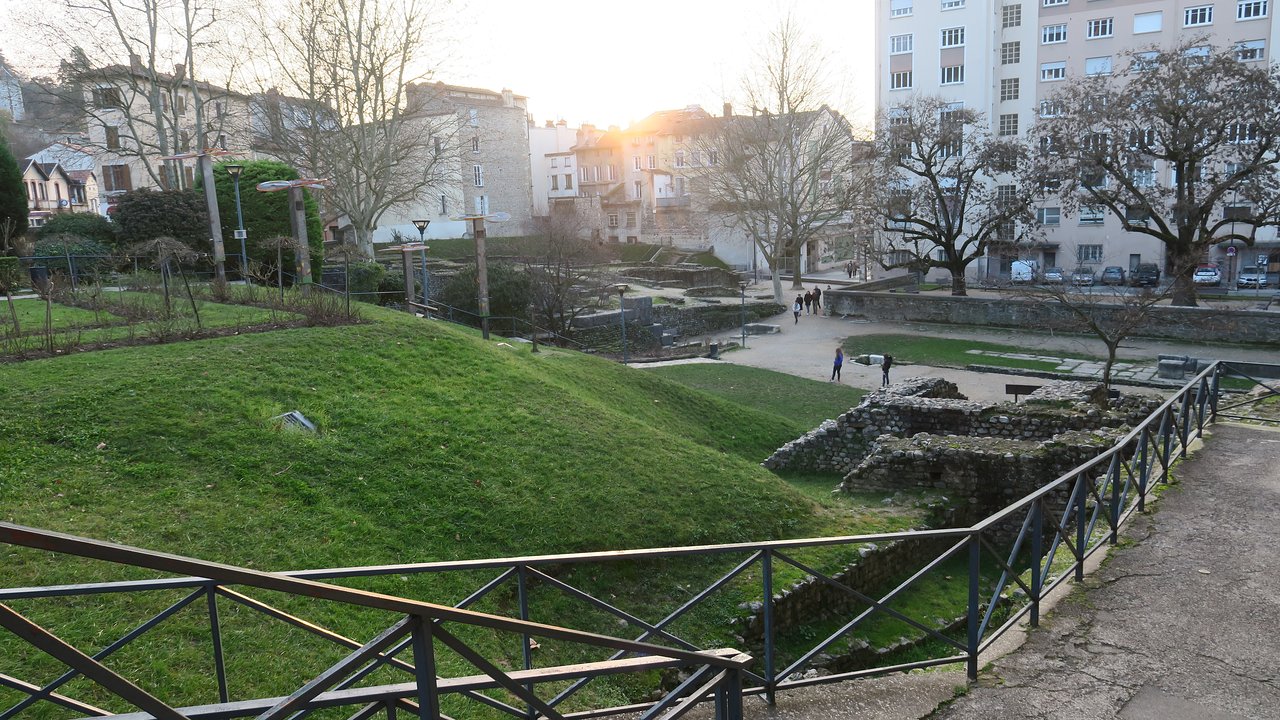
(1184, 623)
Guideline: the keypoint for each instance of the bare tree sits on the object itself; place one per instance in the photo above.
(340, 106)
(784, 175)
(1204, 114)
(945, 193)
(133, 81)
(559, 273)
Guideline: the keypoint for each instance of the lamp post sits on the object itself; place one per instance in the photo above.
(234, 171)
(743, 287)
(622, 314)
(422, 238)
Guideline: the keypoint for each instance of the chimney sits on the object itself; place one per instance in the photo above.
(550, 124)
(179, 71)
(508, 98)
(135, 62)
(562, 123)
(728, 110)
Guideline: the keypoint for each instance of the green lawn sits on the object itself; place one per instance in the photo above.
(945, 352)
(31, 316)
(804, 402)
(434, 445)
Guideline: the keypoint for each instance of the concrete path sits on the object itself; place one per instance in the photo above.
(1183, 625)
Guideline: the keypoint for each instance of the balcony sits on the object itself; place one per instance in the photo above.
(671, 202)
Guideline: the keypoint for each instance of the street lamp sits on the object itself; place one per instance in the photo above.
(622, 314)
(422, 237)
(234, 171)
(743, 287)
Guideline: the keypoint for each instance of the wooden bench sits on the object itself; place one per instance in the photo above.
(1016, 390)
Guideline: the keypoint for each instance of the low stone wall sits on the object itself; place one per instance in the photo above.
(1177, 323)
(698, 319)
(686, 277)
(602, 331)
(931, 405)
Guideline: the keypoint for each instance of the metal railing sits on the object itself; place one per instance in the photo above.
(1012, 560)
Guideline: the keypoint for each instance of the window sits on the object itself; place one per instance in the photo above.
(555, 162)
(900, 80)
(568, 162)
(1143, 177)
(1198, 15)
(899, 8)
(1009, 89)
(1049, 145)
(595, 173)
(1148, 22)
(1250, 9)
(952, 4)
(1088, 254)
(653, 162)
(1051, 34)
(1237, 212)
(1144, 61)
(1052, 3)
(613, 220)
(637, 189)
(1050, 72)
(113, 138)
(1010, 53)
(1050, 108)
(1050, 183)
(612, 172)
(951, 130)
(180, 104)
(713, 156)
(1097, 65)
(555, 182)
(1049, 215)
(1093, 178)
(1239, 133)
(477, 175)
(1091, 215)
(635, 162)
(444, 204)
(568, 181)
(475, 144)
(474, 117)
(1099, 28)
(899, 44)
(1141, 139)
(952, 74)
(953, 37)
(1136, 215)
(1011, 16)
(107, 97)
(1198, 54)
(1008, 124)
(1251, 50)
(680, 159)
(631, 219)
(582, 174)
(115, 178)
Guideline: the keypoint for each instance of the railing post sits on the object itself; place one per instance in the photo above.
(1082, 501)
(1213, 393)
(1113, 474)
(1037, 540)
(1185, 431)
(215, 631)
(1166, 435)
(522, 583)
(1202, 400)
(733, 694)
(766, 572)
(424, 668)
(975, 576)
(1144, 470)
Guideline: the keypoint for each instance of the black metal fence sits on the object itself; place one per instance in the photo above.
(1013, 559)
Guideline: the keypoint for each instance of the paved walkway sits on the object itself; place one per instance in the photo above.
(1183, 625)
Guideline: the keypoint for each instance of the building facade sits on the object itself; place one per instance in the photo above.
(1005, 58)
(551, 164)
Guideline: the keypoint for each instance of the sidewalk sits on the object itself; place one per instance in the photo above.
(1180, 626)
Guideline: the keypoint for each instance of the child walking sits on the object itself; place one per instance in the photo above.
(835, 369)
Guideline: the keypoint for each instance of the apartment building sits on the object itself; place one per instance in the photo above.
(1005, 58)
(551, 164)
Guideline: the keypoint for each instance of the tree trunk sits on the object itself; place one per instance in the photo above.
(959, 285)
(1111, 361)
(1184, 288)
(797, 272)
(364, 241)
(776, 279)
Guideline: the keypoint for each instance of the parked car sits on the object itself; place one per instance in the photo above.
(1082, 276)
(1054, 275)
(1023, 271)
(1113, 275)
(1145, 274)
(1252, 277)
(1207, 275)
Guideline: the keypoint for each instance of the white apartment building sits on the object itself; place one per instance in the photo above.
(1005, 57)
(551, 163)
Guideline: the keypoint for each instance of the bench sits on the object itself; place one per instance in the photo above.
(1016, 390)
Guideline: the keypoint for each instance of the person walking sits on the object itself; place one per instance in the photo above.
(884, 368)
(817, 300)
(848, 267)
(795, 309)
(835, 369)
(808, 301)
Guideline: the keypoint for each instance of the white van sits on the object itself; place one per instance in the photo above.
(1024, 271)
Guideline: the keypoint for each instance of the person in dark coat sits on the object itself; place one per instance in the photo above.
(808, 301)
(884, 368)
(835, 368)
(817, 299)
(848, 267)
(795, 309)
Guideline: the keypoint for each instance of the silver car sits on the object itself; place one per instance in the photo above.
(1251, 277)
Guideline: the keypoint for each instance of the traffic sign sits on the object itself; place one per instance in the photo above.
(1262, 261)
(1231, 251)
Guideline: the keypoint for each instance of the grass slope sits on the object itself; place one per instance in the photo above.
(806, 403)
(945, 352)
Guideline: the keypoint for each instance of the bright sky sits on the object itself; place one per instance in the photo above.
(612, 62)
